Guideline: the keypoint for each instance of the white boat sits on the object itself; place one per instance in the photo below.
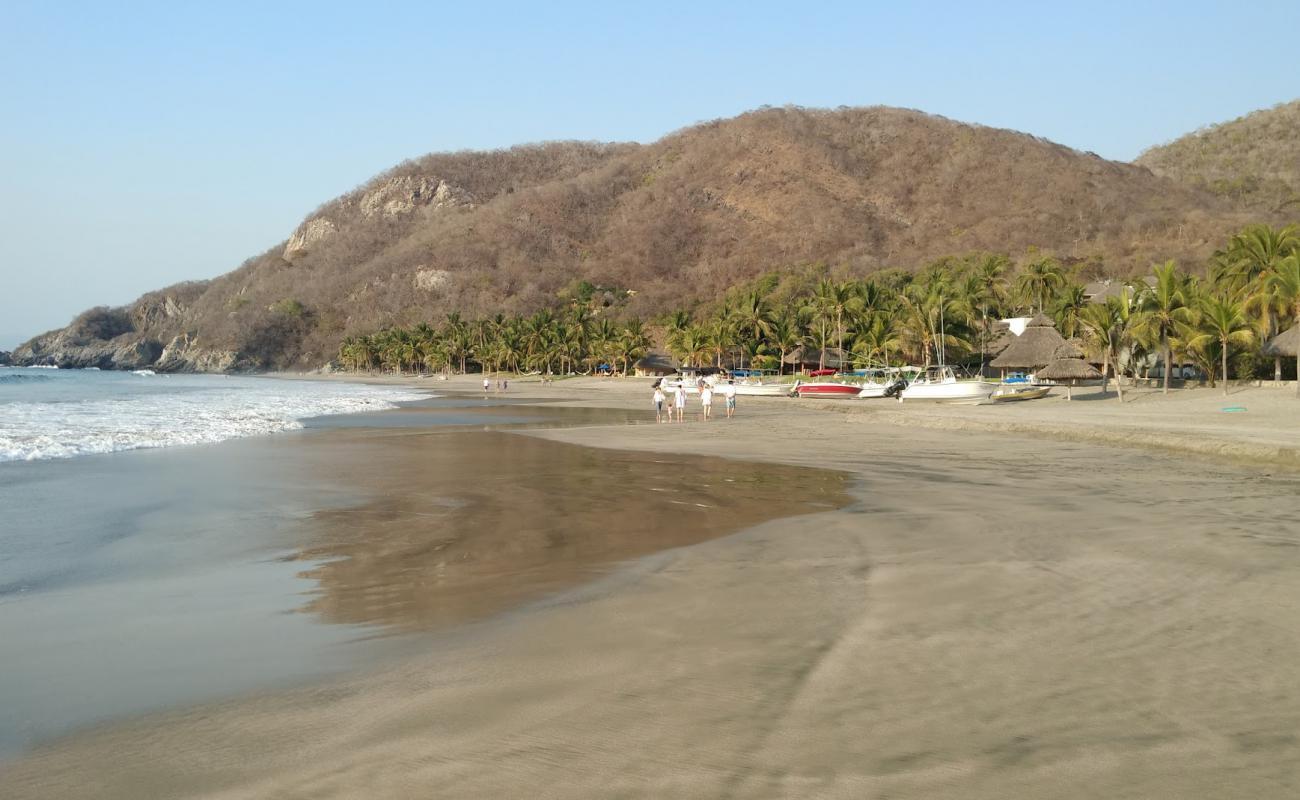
(756, 388)
(940, 384)
(879, 381)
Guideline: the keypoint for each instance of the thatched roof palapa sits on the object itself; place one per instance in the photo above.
(1038, 346)
(833, 357)
(1286, 343)
(1068, 369)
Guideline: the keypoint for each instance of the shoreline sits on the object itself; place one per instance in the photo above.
(1188, 421)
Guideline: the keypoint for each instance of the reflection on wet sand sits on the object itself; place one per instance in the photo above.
(458, 524)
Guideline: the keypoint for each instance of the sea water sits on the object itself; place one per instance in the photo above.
(133, 581)
(51, 413)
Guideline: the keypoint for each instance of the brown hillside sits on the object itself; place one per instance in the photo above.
(678, 220)
(1254, 160)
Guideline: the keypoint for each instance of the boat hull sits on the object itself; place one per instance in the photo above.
(952, 392)
(827, 390)
(1014, 395)
(764, 389)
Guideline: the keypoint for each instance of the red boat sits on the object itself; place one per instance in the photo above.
(827, 389)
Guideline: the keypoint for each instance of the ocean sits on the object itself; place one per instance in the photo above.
(132, 581)
(172, 541)
(53, 413)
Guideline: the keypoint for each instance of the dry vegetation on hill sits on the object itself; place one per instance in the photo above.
(675, 221)
(1254, 160)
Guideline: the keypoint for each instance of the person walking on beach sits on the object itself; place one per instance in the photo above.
(487, 384)
(679, 402)
(706, 400)
(729, 392)
(659, 404)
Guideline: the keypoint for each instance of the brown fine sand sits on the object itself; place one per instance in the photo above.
(996, 616)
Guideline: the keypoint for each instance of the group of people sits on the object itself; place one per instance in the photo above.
(676, 400)
(502, 385)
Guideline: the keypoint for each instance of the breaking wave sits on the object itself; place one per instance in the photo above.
(197, 412)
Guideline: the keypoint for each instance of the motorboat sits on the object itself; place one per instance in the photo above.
(757, 388)
(940, 384)
(1025, 391)
(827, 389)
(879, 382)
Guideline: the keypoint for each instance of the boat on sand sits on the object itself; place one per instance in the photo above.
(940, 384)
(1012, 393)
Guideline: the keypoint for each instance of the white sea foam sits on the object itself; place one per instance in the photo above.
(101, 416)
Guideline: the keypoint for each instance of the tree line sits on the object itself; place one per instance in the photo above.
(945, 312)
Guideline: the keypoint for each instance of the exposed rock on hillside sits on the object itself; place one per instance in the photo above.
(308, 234)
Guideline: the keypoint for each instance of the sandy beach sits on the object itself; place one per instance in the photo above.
(1011, 606)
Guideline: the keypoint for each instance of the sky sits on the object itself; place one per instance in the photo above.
(143, 144)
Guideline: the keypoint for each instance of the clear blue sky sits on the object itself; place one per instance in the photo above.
(143, 144)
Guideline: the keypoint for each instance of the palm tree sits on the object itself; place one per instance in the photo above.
(878, 339)
(1283, 283)
(1246, 262)
(1109, 326)
(1069, 303)
(829, 305)
(1221, 318)
(752, 320)
(600, 341)
(1039, 280)
(689, 344)
(633, 343)
(1163, 307)
(785, 336)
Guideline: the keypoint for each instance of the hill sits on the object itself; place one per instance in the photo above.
(664, 224)
(1253, 160)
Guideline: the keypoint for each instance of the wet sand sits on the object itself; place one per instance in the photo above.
(996, 616)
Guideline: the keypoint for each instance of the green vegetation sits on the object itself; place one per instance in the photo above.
(542, 343)
(946, 312)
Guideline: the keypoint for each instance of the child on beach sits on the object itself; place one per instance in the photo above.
(729, 392)
(659, 405)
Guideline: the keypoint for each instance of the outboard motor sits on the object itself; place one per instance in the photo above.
(896, 388)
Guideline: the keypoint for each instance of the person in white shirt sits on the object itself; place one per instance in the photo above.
(659, 404)
(679, 402)
(729, 392)
(706, 400)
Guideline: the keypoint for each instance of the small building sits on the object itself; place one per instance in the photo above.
(655, 364)
(806, 358)
(1038, 346)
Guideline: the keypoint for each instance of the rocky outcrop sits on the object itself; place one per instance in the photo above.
(403, 195)
(308, 234)
(58, 348)
(430, 280)
(5, 358)
(184, 353)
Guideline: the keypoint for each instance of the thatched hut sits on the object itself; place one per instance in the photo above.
(1037, 347)
(804, 358)
(1069, 371)
(1286, 344)
(655, 364)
